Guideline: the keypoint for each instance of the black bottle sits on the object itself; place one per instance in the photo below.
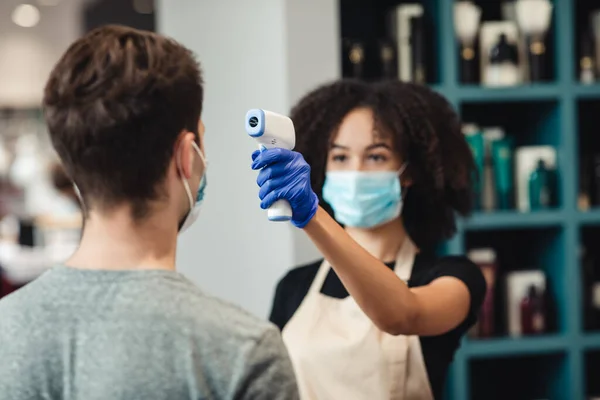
(596, 180)
(536, 49)
(469, 67)
(388, 64)
(353, 59)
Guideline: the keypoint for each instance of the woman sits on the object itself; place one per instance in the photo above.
(381, 317)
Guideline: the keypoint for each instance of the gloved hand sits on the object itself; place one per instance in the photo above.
(285, 175)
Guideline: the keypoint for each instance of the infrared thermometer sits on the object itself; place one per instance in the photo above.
(272, 130)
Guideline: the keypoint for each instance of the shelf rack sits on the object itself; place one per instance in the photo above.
(558, 365)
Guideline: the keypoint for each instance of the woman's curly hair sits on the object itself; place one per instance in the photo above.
(425, 132)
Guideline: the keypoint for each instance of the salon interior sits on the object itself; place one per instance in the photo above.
(523, 75)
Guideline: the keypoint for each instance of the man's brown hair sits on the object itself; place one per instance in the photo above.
(115, 104)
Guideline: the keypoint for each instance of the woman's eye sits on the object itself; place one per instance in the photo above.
(339, 158)
(377, 158)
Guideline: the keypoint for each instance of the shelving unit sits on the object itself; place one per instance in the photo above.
(562, 364)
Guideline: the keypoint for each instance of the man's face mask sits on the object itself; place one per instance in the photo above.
(364, 199)
(195, 202)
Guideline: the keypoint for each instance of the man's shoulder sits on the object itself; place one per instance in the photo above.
(256, 347)
(227, 318)
(177, 301)
(252, 347)
(20, 299)
(10, 304)
(22, 308)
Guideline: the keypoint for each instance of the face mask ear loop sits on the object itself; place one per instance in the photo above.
(200, 154)
(186, 185)
(79, 197)
(402, 169)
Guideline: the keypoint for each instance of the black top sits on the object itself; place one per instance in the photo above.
(438, 351)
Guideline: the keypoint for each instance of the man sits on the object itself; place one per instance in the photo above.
(116, 321)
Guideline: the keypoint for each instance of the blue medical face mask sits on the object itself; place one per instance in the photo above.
(192, 215)
(364, 199)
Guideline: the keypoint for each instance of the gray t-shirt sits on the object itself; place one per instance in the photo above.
(126, 335)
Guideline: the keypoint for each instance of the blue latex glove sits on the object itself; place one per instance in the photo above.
(285, 175)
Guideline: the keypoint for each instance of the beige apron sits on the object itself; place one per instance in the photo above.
(339, 354)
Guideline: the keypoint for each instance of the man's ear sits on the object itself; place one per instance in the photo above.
(184, 153)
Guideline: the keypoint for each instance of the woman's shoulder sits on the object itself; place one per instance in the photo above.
(300, 275)
(429, 268)
(290, 292)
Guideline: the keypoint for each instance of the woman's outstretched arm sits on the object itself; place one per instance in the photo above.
(392, 306)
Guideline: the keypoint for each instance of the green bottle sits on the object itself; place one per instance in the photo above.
(540, 187)
(475, 141)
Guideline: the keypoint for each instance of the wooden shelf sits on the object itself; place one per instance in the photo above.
(506, 347)
(591, 341)
(586, 91)
(514, 219)
(591, 217)
(508, 94)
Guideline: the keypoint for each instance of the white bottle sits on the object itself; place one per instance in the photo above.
(503, 68)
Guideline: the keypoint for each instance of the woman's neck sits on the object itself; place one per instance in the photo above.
(382, 242)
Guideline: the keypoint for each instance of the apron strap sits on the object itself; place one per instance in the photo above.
(319, 280)
(405, 260)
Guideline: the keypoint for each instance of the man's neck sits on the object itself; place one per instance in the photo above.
(382, 242)
(115, 242)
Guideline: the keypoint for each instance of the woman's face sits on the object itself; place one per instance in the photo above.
(357, 147)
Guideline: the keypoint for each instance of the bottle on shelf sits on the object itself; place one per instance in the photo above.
(419, 72)
(533, 318)
(526, 161)
(533, 18)
(591, 290)
(540, 187)
(587, 74)
(585, 183)
(354, 58)
(387, 59)
(503, 69)
(523, 305)
(595, 25)
(489, 199)
(407, 29)
(474, 137)
(466, 25)
(596, 180)
(502, 157)
(485, 258)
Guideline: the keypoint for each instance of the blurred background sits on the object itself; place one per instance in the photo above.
(523, 74)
